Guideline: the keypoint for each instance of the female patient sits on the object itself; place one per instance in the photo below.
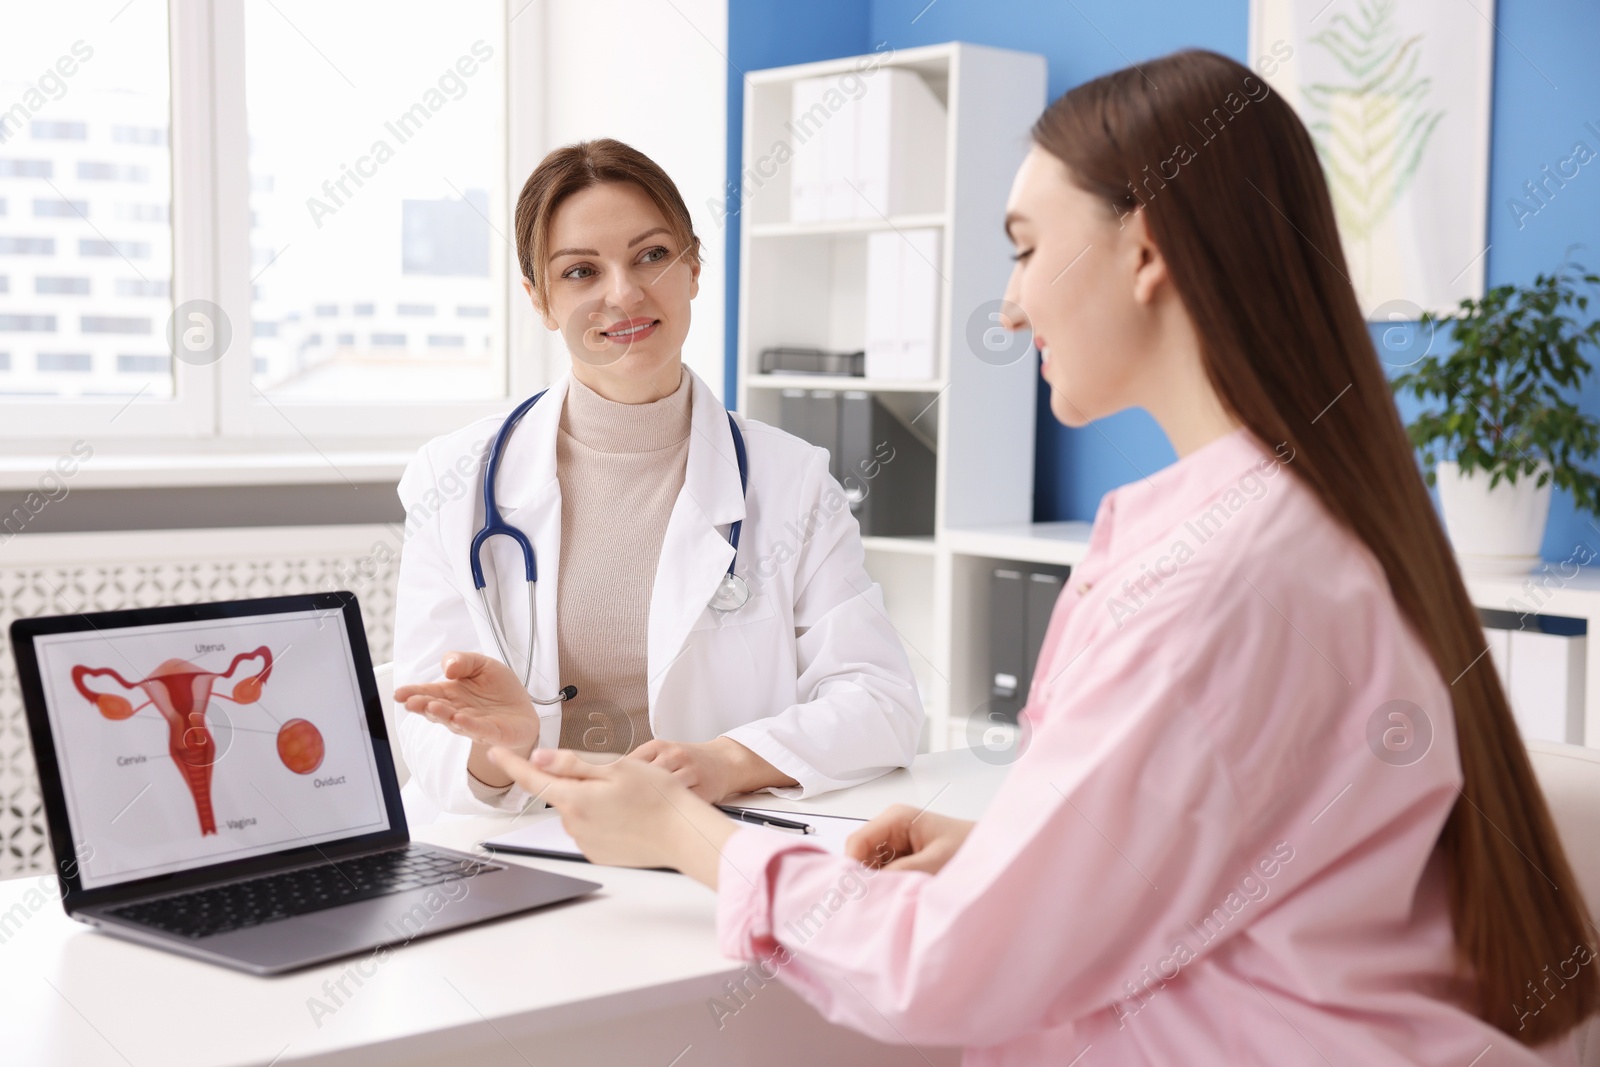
(1275, 809)
(628, 478)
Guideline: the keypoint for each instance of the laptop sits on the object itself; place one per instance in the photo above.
(217, 782)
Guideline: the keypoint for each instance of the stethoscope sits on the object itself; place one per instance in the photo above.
(731, 593)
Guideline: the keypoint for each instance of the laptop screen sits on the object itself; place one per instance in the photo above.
(185, 744)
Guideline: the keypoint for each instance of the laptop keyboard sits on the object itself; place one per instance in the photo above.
(219, 909)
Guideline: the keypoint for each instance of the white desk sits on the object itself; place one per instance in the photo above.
(624, 976)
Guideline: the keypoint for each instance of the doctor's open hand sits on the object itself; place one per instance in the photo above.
(628, 813)
(479, 698)
(903, 838)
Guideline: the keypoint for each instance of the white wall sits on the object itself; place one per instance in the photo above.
(654, 75)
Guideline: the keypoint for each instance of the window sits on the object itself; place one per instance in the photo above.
(26, 168)
(27, 246)
(380, 202)
(27, 323)
(66, 157)
(144, 287)
(155, 136)
(446, 237)
(161, 364)
(60, 209)
(113, 172)
(64, 362)
(141, 213)
(45, 286)
(94, 246)
(46, 130)
(345, 174)
(112, 324)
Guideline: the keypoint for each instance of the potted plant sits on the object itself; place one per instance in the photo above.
(1503, 425)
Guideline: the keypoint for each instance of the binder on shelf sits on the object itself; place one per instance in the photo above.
(886, 468)
(883, 305)
(903, 304)
(900, 127)
(813, 415)
(825, 427)
(1007, 640)
(861, 149)
(840, 152)
(824, 121)
(1044, 587)
(1021, 600)
(919, 304)
(809, 117)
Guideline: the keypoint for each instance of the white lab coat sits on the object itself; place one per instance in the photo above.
(809, 674)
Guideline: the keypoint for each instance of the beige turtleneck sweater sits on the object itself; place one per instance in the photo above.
(620, 467)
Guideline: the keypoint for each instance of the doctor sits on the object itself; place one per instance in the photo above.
(700, 602)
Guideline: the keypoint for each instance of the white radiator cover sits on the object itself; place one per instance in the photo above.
(57, 574)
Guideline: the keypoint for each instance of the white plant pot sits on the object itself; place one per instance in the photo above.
(1494, 531)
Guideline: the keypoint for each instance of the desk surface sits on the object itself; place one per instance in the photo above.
(70, 995)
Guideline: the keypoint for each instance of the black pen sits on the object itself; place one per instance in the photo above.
(761, 818)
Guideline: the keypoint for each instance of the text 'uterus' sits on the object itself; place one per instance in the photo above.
(182, 692)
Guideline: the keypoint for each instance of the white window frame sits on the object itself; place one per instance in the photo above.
(217, 405)
(190, 412)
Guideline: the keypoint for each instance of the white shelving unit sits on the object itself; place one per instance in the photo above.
(1553, 590)
(1548, 591)
(804, 283)
(967, 556)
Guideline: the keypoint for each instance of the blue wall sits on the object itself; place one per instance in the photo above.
(1547, 85)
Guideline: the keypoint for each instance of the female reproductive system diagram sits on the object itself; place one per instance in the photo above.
(182, 692)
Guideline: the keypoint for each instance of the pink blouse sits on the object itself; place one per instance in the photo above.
(1218, 846)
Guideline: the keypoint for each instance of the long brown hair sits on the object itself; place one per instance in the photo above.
(578, 166)
(1234, 196)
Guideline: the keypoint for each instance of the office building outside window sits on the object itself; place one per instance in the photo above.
(376, 163)
(85, 206)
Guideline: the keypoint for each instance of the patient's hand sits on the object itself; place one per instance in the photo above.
(713, 770)
(479, 698)
(903, 838)
(627, 812)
